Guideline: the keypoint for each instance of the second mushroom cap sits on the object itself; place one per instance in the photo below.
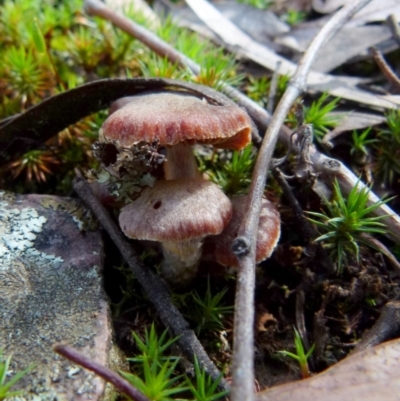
(177, 210)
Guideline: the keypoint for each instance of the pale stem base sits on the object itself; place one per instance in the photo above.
(181, 260)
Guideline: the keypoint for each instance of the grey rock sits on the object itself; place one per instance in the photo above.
(51, 291)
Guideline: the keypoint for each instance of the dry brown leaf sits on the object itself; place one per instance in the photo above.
(370, 375)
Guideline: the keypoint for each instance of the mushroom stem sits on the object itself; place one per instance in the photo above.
(181, 260)
(180, 163)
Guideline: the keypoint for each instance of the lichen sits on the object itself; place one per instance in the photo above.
(46, 298)
(18, 230)
(80, 215)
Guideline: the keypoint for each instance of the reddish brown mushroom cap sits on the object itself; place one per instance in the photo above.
(171, 118)
(177, 210)
(267, 237)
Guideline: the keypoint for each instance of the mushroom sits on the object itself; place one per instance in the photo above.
(176, 121)
(179, 214)
(267, 236)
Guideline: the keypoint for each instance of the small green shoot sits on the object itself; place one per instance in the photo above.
(152, 347)
(155, 376)
(345, 222)
(393, 122)
(258, 88)
(207, 311)
(387, 164)
(23, 72)
(261, 4)
(294, 17)
(360, 142)
(300, 356)
(158, 383)
(37, 37)
(205, 388)
(318, 115)
(156, 66)
(41, 47)
(387, 151)
(5, 385)
(232, 174)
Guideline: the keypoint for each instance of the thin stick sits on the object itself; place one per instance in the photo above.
(306, 230)
(243, 331)
(273, 89)
(385, 68)
(152, 284)
(385, 328)
(108, 375)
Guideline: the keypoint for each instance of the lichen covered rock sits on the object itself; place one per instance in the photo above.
(51, 291)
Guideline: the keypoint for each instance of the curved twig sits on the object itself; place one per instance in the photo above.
(108, 375)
